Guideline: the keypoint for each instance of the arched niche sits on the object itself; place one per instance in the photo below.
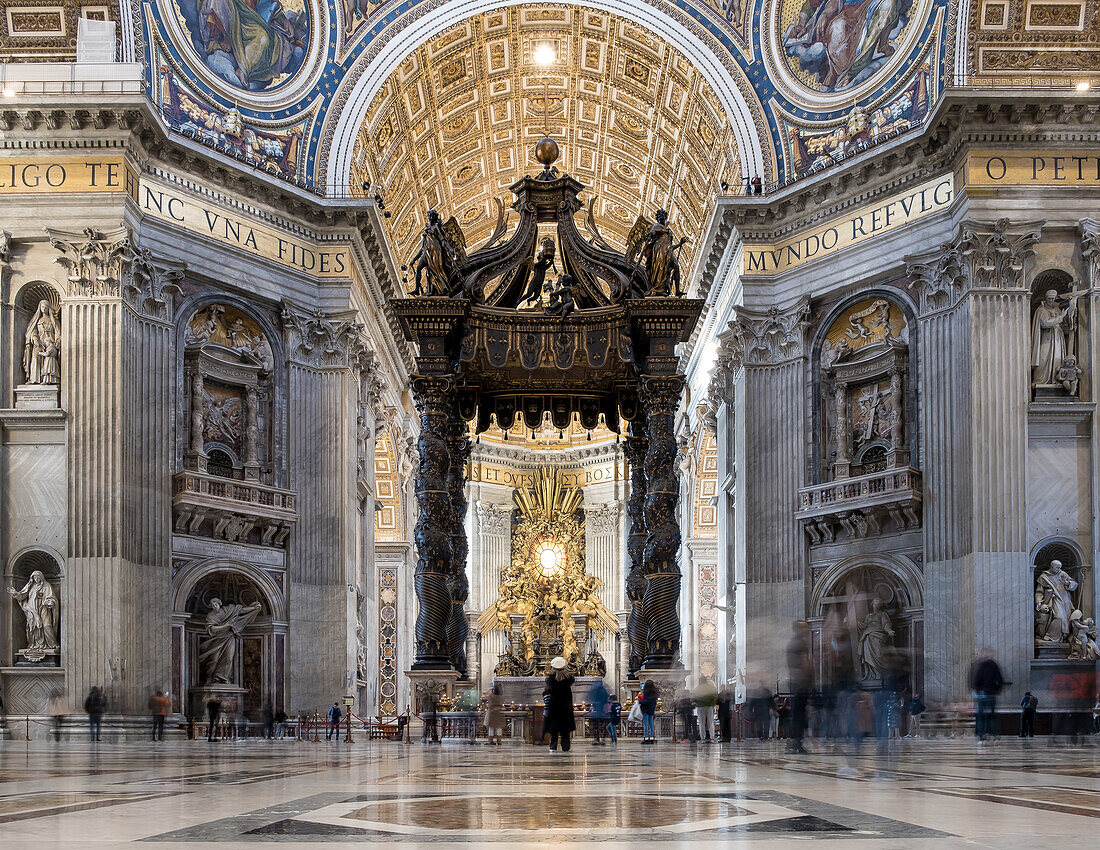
(1048, 611)
(1055, 349)
(228, 364)
(36, 621)
(865, 408)
(844, 596)
(260, 658)
(37, 341)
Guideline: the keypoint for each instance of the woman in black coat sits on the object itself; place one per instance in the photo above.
(558, 696)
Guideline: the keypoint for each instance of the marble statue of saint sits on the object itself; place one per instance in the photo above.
(1053, 603)
(876, 642)
(1049, 326)
(42, 347)
(40, 609)
(217, 651)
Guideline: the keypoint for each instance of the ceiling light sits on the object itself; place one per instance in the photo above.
(1083, 85)
(545, 55)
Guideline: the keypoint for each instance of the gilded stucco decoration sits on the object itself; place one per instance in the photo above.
(454, 126)
(705, 521)
(546, 578)
(1017, 42)
(388, 520)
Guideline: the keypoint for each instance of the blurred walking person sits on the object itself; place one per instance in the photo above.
(96, 706)
(494, 714)
(213, 709)
(647, 701)
(916, 709)
(159, 704)
(706, 698)
(614, 713)
(800, 667)
(57, 712)
(597, 713)
(986, 682)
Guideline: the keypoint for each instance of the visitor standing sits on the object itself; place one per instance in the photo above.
(725, 715)
(96, 706)
(1028, 705)
(647, 700)
(706, 698)
(916, 709)
(213, 709)
(986, 682)
(597, 711)
(685, 707)
(494, 714)
(334, 715)
(1096, 716)
(558, 693)
(158, 707)
(614, 713)
(762, 708)
(800, 668)
(269, 721)
(280, 724)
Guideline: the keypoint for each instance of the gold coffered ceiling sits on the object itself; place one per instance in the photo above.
(455, 124)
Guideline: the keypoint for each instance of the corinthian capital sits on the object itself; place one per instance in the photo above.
(985, 255)
(93, 259)
(1090, 251)
(776, 335)
(150, 285)
(322, 339)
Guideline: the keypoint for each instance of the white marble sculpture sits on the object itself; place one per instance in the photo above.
(218, 651)
(1053, 604)
(42, 347)
(876, 641)
(1051, 327)
(41, 612)
(1082, 641)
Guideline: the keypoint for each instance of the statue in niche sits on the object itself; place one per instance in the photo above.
(41, 612)
(1069, 375)
(876, 641)
(1052, 329)
(657, 247)
(544, 261)
(442, 251)
(218, 651)
(1053, 604)
(42, 347)
(1082, 642)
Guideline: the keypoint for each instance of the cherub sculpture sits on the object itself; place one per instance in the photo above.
(654, 245)
(442, 252)
(1069, 374)
(561, 299)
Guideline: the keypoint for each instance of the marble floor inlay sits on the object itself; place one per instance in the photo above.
(194, 795)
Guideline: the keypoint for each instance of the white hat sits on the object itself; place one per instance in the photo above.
(558, 663)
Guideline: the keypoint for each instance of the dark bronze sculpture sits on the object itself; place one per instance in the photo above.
(482, 358)
(441, 255)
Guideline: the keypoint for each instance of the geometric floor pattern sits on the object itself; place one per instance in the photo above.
(938, 793)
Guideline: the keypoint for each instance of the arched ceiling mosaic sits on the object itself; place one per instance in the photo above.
(455, 125)
(284, 85)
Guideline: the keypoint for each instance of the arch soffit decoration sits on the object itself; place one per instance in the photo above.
(49, 551)
(901, 567)
(324, 101)
(896, 297)
(185, 582)
(1036, 550)
(192, 304)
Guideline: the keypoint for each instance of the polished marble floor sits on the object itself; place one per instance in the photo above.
(194, 795)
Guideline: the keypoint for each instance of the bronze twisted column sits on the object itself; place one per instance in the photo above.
(434, 397)
(636, 630)
(661, 398)
(458, 584)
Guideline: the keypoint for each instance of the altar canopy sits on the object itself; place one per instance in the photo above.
(499, 341)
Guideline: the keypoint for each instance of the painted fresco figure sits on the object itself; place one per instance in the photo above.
(250, 43)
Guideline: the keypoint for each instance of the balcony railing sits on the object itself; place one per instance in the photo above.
(864, 491)
(238, 511)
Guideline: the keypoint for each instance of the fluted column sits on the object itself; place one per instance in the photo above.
(491, 552)
(660, 603)
(974, 389)
(434, 546)
(323, 559)
(636, 630)
(767, 357)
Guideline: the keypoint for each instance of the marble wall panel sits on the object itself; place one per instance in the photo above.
(1059, 489)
